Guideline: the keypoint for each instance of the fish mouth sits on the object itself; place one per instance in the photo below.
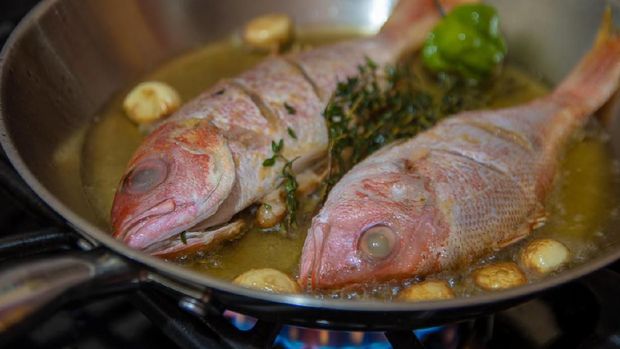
(146, 230)
(140, 231)
(310, 275)
(174, 244)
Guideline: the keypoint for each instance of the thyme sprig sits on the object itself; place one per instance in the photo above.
(366, 113)
(377, 107)
(289, 182)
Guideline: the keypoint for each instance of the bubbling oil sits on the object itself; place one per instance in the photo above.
(580, 209)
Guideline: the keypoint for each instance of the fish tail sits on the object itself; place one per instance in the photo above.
(424, 13)
(606, 31)
(595, 79)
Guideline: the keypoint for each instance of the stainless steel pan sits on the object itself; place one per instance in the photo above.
(68, 57)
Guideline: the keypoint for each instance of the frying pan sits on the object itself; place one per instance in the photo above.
(68, 57)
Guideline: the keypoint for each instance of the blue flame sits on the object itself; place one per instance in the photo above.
(305, 338)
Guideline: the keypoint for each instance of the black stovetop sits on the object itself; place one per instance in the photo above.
(582, 314)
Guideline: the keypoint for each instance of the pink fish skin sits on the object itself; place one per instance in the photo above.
(204, 164)
(474, 183)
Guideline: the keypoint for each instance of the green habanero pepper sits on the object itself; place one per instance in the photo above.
(467, 41)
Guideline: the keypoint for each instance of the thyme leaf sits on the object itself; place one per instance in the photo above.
(269, 162)
(291, 133)
(290, 190)
(290, 109)
(289, 181)
(183, 237)
(277, 147)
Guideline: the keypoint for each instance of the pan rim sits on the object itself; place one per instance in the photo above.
(202, 282)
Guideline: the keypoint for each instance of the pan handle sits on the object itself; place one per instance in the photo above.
(31, 289)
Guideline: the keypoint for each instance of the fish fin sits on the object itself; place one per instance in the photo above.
(424, 13)
(521, 234)
(195, 241)
(539, 219)
(595, 78)
(606, 30)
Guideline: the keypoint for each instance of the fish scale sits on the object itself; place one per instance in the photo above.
(483, 176)
(506, 155)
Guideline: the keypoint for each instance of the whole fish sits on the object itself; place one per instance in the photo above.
(204, 164)
(474, 183)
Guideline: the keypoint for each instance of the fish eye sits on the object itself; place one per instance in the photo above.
(145, 176)
(377, 242)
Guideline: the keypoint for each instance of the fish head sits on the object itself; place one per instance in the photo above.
(376, 229)
(178, 177)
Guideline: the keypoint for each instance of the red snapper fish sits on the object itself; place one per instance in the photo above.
(204, 164)
(474, 183)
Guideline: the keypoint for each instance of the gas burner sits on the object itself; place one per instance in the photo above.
(293, 337)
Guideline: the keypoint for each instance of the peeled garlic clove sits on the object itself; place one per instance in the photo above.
(268, 280)
(544, 255)
(150, 101)
(268, 32)
(272, 210)
(499, 276)
(426, 291)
